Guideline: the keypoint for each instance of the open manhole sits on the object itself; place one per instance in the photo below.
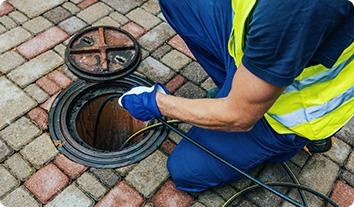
(86, 122)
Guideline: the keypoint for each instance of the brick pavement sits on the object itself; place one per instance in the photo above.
(33, 35)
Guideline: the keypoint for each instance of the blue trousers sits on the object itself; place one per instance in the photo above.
(205, 25)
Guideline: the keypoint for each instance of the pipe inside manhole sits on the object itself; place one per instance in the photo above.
(104, 125)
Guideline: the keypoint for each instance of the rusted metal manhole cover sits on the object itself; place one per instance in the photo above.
(102, 53)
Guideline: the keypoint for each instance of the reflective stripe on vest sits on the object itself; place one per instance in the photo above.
(320, 100)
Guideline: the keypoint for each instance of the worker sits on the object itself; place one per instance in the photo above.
(285, 77)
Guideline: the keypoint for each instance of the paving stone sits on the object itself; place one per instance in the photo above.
(47, 182)
(40, 66)
(40, 117)
(123, 6)
(42, 42)
(155, 70)
(106, 176)
(197, 204)
(76, 1)
(48, 85)
(175, 83)
(178, 43)
(121, 19)
(20, 133)
(246, 203)
(134, 29)
(106, 21)
(72, 25)
(148, 205)
(149, 21)
(8, 182)
(161, 51)
(347, 133)
(123, 171)
(20, 197)
(57, 14)
(19, 167)
(5, 8)
(13, 38)
(37, 25)
(121, 195)
(34, 8)
(91, 185)
(18, 17)
(348, 177)
(208, 84)
(39, 151)
(148, 175)
(48, 104)
(36, 92)
(300, 158)
(60, 49)
(72, 196)
(243, 183)
(86, 3)
(339, 151)
(152, 6)
(168, 146)
(343, 194)
(156, 37)
(9, 61)
(13, 102)
(195, 73)
(350, 163)
(176, 60)
(94, 12)
(72, 8)
(226, 191)
(2, 29)
(175, 137)
(190, 90)
(210, 199)
(168, 195)
(70, 168)
(8, 22)
(5, 151)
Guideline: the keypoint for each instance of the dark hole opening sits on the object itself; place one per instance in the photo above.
(104, 125)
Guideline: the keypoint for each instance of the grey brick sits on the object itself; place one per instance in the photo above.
(121, 19)
(350, 163)
(13, 38)
(18, 17)
(71, 196)
(210, 199)
(149, 174)
(8, 182)
(176, 60)
(9, 61)
(149, 20)
(197, 204)
(152, 6)
(339, 151)
(72, 8)
(155, 70)
(161, 51)
(190, 90)
(76, 1)
(94, 12)
(20, 197)
(300, 158)
(106, 21)
(195, 73)
(226, 191)
(13, 103)
(39, 151)
(208, 84)
(4, 151)
(175, 137)
(123, 171)
(34, 8)
(20, 133)
(123, 6)
(156, 37)
(106, 176)
(37, 93)
(91, 185)
(19, 167)
(348, 177)
(40, 66)
(8, 22)
(37, 25)
(57, 14)
(2, 29)
(72, 25)
(60, 49)
(347, 133)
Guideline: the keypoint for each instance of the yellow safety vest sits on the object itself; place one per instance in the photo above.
(318, 103)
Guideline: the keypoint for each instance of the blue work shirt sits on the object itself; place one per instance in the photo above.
(286, 36)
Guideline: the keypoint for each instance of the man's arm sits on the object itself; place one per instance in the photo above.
(249, 99)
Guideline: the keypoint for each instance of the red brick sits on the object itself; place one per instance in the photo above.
(60, 78)
(178, 43)
(168, 146)
(48, 104)
(42, 42)
(175, 83)
(48, 85)
(121, 195)
(134, 29)
(40, 116)
(5, 8)
(86, 3)
(169, 196)
(72, 169)
(343, 194)
(47, 182)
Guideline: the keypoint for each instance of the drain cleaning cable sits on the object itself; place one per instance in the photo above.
(259, 184)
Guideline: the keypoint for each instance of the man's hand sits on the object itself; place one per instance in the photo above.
(141, 101)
